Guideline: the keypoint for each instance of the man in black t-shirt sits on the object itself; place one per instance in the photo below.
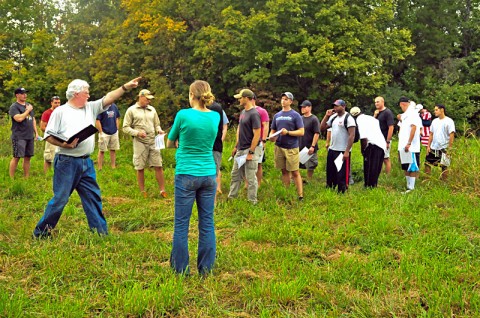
(386, 119)
(24, 132)
(310, 137)
(218, 144)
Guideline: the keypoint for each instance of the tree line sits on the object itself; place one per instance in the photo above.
(321, 50)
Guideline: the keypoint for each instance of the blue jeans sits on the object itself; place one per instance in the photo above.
(188, 189)
(70, 174)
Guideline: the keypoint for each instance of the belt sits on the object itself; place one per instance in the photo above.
(80, 157)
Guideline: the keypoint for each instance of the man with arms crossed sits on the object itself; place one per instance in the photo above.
(50, 149)
(24, 132)
(141, 121)
(442, 134)
(287, 157)
(386, 119)
(72, 166)
(310, 138)
(248, 138)
(108, 124)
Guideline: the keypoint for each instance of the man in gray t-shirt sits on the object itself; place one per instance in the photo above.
(24, 132)
(248, 138)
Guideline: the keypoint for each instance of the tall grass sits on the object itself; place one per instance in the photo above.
(365, 253)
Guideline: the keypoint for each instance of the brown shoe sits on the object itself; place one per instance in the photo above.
(163, 194)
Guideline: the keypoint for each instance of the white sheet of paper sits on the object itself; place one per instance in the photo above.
(160, 141)
(445, 160)
(304, 156)
(405, 157)
(275, 134)
(241, 160)
(339, 162)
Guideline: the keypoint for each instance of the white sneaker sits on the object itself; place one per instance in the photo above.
(407, 191)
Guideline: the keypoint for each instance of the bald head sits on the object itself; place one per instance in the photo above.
(379, 103)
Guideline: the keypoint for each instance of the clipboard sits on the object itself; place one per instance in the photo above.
(81, 135)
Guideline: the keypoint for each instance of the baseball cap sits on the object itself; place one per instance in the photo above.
(306, 103)
(339, 102)
(288, 94)
(146, 93)
(403, 99)
(355, 111)
(244, 93)
(20, 90)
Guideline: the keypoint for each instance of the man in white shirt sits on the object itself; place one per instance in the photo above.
(409, 141)
(372, 144)
(73, 168)
(442, 134)
(343, 134)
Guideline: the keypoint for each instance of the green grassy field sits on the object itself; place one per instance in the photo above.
(368, 253)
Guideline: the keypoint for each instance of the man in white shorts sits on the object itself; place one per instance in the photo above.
(108, 124)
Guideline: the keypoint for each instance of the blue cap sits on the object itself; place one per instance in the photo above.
(339, 102)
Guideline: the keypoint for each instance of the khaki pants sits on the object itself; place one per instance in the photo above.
(247, 171)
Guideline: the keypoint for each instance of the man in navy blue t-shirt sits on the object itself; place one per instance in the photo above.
(290, 125)
(107, 124)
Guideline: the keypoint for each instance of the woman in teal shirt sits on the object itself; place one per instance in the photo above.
(194, 130)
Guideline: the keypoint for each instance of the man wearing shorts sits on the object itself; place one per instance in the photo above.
(108, 124)
(442, 134)
(386, 119)
(409, 141)
(310, 138)
(49, 152)
(142, 123)
(290, 125)
(24, 132)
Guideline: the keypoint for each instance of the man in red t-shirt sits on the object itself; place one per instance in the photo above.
(50, 149)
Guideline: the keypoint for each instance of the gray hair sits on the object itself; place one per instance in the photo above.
(76, 86)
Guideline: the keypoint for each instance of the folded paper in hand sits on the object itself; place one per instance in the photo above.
(81, 135)
(160, 141)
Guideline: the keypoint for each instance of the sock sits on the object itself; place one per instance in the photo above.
(408, 181)
(412, 183)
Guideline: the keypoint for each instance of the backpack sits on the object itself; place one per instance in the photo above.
(357, 134)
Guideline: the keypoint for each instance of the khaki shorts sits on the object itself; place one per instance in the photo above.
(288, 159)
(145, 155)
(108, 142)
(49, 152)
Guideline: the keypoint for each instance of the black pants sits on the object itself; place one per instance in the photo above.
(372, 164)
(337, 178)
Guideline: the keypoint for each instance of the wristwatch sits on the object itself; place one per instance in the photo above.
(251, 152)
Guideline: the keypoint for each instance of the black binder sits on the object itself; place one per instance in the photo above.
(81, 135)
